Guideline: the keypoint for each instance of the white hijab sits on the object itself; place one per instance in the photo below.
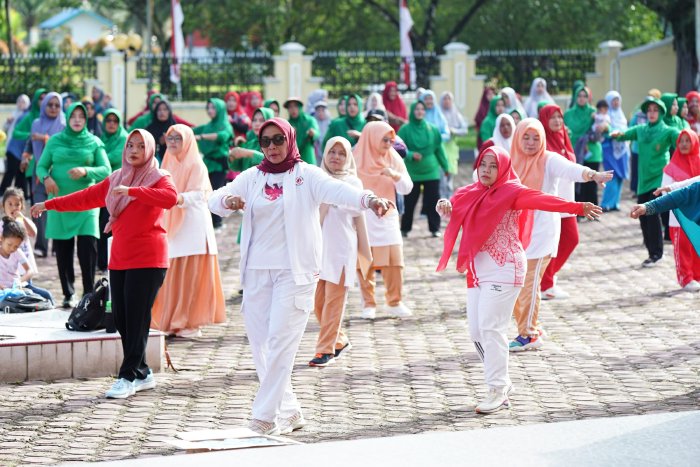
(513, 101)
(379, 103)
(498, 139)
(534, 99)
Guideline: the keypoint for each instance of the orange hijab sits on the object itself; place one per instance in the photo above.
(371, 160)
(529, 168)
(188, 174)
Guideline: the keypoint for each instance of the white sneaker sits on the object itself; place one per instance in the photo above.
(189, 333)
(692, 286)
(495, 400)
(554, 293)
(399, 311)
(149, 382)
(264, 428)
(121, 389)
(292, 423)
(369, 313)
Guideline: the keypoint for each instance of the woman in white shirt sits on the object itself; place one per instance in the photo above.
(382, 170)
(281, 261)
(541, 170)
(191, 295)
(344, 233)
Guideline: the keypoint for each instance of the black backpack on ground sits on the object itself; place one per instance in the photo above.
(89, 314)
(27, 303)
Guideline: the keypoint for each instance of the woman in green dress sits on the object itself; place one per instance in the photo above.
(349, 126)
(73, 160)
(579, 121)
(306, 128)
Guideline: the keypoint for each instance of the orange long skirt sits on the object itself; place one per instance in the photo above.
(191, 295)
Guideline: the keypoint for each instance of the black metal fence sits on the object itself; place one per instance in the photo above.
(204, 77)
(22, 74)
(517, 68)
(365, 72)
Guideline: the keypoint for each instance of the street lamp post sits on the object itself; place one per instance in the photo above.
(127, 44)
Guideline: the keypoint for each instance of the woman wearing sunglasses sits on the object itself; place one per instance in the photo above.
(281, 261)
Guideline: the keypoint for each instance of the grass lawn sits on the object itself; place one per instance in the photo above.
(468, 141)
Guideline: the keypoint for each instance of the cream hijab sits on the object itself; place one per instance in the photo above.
(347, 173)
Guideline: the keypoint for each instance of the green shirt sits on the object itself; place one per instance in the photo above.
(302, 124)
(216, 152)
(654, 142)
(341, 125)
(425, 139)
(65, 151)
(114, 142)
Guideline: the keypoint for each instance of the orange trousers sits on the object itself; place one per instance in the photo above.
(527, 306)
(329, 306)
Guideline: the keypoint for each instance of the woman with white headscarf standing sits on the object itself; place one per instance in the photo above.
(374, 102)
(345, 241)
(503, 132)
(458, 127)
(511, 100)
(538, 93)
(615, 154)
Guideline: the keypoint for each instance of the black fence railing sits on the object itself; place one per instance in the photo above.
(367, 71)
(204, 77)
(22, 74)
(517, 68)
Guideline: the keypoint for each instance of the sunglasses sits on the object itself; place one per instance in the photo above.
(54, 106)
(277, 140)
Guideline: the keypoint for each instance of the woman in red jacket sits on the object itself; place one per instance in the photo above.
(135, 197)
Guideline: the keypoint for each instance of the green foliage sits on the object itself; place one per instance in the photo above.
(15, 24)
(44, 46)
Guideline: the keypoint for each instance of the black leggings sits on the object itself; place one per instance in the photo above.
(588, 192)
(133, 292)
(431, 195)
(12, 172)
(652, 230)
(87, 257)
(102, 242)
(217, 180)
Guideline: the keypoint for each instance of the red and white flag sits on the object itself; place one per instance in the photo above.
(408, 64)
(177, 43)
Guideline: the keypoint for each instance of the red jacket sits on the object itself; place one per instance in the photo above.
(140, 241)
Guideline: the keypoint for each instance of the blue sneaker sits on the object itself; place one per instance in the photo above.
(520, 343)
(121, 389)
(149, 382)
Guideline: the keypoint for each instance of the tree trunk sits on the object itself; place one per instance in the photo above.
(686, 66)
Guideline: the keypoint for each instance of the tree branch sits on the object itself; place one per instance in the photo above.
(463, 22)
(429, 27)
(384, 11)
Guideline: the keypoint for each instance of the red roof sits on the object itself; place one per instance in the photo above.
(197, 40)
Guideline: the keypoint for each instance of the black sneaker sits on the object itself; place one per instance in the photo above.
(341, 351)
(322, 359)
(404, 234)
(68, 302)
(436, 234)
(651, 261)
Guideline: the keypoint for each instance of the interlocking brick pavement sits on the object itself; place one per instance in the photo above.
(626, 342)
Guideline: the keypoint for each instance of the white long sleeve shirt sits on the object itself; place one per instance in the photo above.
(305, 187)
(196, 233)
(546, 227)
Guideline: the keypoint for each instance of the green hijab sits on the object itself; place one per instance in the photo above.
(489, 123)
(69, 139)
(251, 137)
(343, 100)
(269, 102)
(419, 133)
(358, 121)
(652, 131)
(578, 118)
(215, 125)
(23, 129)
(673, 121)
(577, 84)
(146, 119)
(114, 143)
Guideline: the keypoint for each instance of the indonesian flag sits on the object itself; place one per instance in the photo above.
(407, 63)
(177, 43)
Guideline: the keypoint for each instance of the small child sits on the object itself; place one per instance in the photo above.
(12, 258)
(601, 120)
(13, 205)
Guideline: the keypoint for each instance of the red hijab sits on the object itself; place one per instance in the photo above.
(477, 210)
(249, 109)
(239, 107)
(484, 105)
(685, 166)
(146, 175)
(292, 151)
(557, 141)
(395, 106)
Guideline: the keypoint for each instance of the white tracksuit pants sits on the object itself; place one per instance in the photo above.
(275, 311)
(489, 309)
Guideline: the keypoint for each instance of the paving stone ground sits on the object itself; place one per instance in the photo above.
(626, 342)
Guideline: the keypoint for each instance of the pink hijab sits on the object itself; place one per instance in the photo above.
(145, 176)
(292, 150)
